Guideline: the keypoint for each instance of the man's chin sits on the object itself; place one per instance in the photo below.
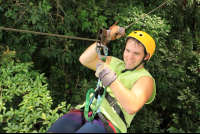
(128, 67)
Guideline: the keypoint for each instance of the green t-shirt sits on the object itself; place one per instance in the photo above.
(127, 79)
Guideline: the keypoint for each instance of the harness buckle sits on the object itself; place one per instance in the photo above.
(113, 103)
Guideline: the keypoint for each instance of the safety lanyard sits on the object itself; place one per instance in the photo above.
(99, 85)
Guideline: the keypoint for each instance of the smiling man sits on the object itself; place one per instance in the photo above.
(133, 54)
(129, 86)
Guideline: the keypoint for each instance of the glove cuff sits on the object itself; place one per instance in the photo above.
(104, 72)
(122, 31)
(117, 32)
(108, 32)
(108, 78)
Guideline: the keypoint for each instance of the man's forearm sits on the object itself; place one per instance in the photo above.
(89, 57)
(125, 97)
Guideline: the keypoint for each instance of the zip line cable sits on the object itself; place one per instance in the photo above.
(17, 20)
(26, 31)
(146, 15)
(72, 37)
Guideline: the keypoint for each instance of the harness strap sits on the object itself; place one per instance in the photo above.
(113, 103)
(105, 123)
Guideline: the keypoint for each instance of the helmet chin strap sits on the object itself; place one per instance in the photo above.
(123, 71)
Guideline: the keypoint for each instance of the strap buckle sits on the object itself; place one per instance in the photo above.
(113, 103)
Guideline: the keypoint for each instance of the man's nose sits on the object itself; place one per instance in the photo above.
(131, 56)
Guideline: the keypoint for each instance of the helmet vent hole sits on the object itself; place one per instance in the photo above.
(140, 34)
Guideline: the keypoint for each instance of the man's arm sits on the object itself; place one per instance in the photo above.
(130, 100)
(89, 58)
(133, 100)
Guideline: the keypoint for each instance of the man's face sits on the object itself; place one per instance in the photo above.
(133, 54)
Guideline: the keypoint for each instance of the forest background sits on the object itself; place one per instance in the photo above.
(41, 77)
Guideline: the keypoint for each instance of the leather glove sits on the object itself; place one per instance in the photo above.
(115, 32)
(104, 72)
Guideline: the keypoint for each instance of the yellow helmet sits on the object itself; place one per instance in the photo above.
(147, 41)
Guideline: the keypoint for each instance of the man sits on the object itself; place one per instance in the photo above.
(126, 81)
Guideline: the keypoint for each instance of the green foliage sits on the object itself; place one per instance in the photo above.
(25, 102)
(188, 115)
(5, 54)
(33, 64)
(146, 120)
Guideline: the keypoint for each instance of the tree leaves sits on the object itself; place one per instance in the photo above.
(34, 103)
(174, 64)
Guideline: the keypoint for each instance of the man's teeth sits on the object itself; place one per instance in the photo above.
(130, 61)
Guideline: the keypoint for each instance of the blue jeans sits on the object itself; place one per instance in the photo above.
(74, 122)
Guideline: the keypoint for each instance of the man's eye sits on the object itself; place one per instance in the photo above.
(137, 53)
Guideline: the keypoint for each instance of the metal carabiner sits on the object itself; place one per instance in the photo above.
(98, 50)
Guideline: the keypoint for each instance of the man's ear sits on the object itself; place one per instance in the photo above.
(147, 56)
